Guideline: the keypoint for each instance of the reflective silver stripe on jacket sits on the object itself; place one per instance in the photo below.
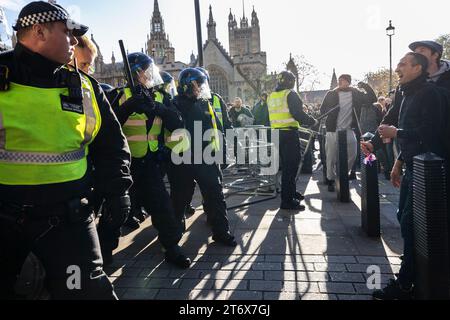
(91, 119)
(137, 139)
(41, 158)
(291, 120)
(135, 123)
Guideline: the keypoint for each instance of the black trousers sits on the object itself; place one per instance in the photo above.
(182, 180)
(149, 190)
(290, 154)
(69, 252)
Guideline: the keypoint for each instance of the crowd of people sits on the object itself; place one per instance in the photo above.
(73, 150)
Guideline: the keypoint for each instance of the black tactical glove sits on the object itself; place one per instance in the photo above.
(159, 109)
(117, 210)
(141, 102)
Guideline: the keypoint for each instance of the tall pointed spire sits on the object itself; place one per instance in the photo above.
(211, 18)
(156, 7)
(211, 26)
(334, 80)
(244, 20)
(255, 20)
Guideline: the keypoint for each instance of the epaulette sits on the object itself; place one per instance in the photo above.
(4, 78)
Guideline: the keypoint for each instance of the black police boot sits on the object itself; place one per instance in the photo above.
(132, 223)
(226, 239)
(190, 211)
(294, 205)
(393, 291)
(176, 257)
(141, 215)
(299, 196)
(331, 187)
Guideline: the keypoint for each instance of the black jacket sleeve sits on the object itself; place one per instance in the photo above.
(227, 124)
(296, 109)
(110, 153)
(391, 118)
(327, 103)
(171, 117)
(430, 119)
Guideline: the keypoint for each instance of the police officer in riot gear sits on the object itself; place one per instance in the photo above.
(287, 115)
(193, 103)
(56, 125)
(219, 105)
(143, 116)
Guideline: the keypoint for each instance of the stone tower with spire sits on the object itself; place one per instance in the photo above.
(245, 39)
(241, 70)
(158, 45)
(211, 25)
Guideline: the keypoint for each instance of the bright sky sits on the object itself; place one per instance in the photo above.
(348, 35)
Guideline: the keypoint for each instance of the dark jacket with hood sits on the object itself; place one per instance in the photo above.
(442, 77)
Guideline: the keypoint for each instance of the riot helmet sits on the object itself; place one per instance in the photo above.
(169, 85)
(286, 80)
(205, 72)
(144, 70)
(194, 83)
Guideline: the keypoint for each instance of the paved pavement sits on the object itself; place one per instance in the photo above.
(319, 254)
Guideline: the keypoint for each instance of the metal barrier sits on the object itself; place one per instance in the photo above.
(342, 182)
(306, 139)
(307, 146)
(323, 153)
(431, 228)
(248, 179)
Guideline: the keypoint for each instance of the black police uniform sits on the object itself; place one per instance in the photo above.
(26, 212)
(208, 177)
(149, 188)
(290, 149)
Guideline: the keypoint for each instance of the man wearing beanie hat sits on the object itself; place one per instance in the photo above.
(350, 101)
(55, 126)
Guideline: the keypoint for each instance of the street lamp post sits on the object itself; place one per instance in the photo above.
(390, 31)
(199, 32)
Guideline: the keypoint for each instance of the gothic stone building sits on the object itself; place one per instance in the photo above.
(241, 72)
(157, 46)
(237, 73)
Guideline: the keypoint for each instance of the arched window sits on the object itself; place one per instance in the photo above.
(218, 81)
(239, 93)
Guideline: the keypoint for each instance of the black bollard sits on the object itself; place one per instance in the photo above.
(370, 199)
(323, 154)
(342, 183)
(432, 267)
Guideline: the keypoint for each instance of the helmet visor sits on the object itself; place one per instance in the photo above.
(171, 88)
(203, 91)
(151, 78)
